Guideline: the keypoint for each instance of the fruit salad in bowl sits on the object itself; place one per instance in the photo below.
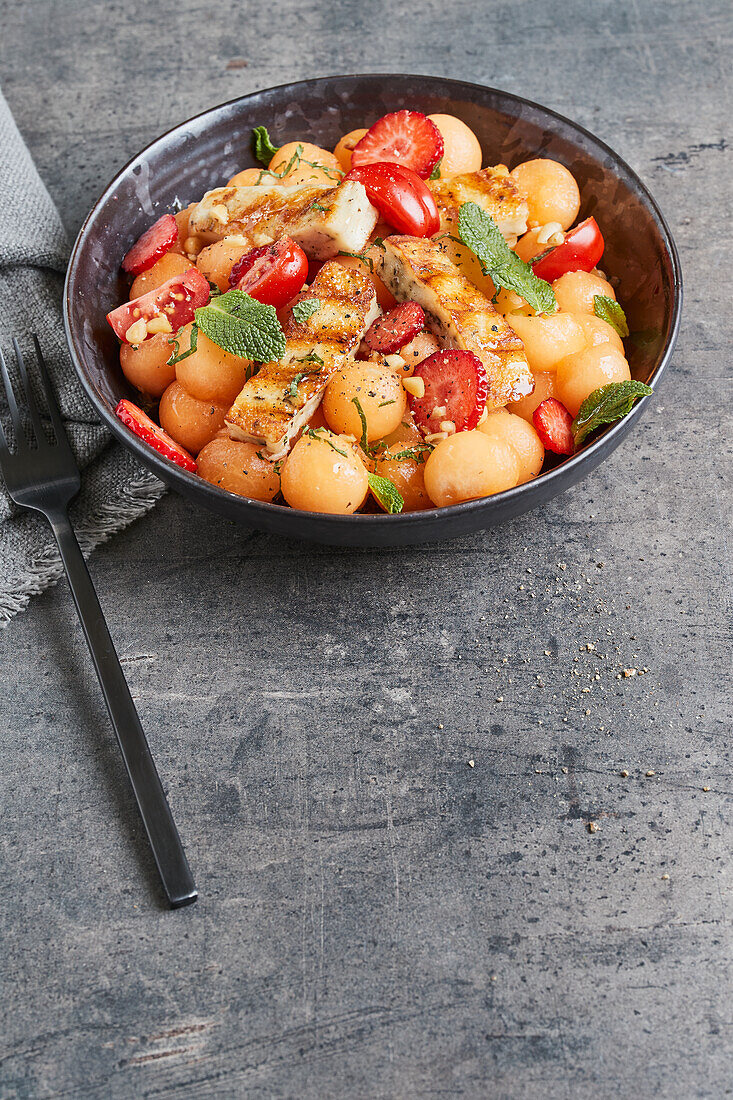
(386, 326)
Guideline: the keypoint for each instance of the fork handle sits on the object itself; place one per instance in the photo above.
(154, 809)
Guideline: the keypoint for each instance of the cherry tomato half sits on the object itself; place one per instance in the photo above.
(177, 299)
(401, 197)
(272, 274)
(580, 251)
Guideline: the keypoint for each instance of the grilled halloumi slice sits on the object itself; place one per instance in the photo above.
(418, 268)
(280, 400)
(323, 220)
(494, 190)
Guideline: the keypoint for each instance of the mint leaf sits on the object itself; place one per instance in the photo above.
(175, 357)
(362, 417)
(386, 493)
(610, 311)
(263, 148)
(242, 326)
(305, 308)
(605, 405)
(435, 174)
(481, 234)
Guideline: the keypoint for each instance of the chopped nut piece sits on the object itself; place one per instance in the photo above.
(396, 362)
(159, 324)
(414, 386)
(624, 774)
(436, 437)
(438, 412)
(472, 763)
(650, 773)
(448, 427)
(137, 331)
(592, 827)
(665, 876)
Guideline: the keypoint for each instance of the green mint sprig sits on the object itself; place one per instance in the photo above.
(175, 340)
(262, 147)
(242, 326)
(481, 234)
(435, 174)
(305, 308)
(610, 311)
(387, 493)
(605, 405)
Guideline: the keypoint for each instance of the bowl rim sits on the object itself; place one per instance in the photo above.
(170, 472)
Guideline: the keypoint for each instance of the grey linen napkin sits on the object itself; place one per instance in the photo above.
(115, 489)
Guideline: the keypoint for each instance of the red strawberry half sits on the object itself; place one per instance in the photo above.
(394, 329)
(554, 425)
(153, 244)
(405, 137)
(152, 434)
(455, 381)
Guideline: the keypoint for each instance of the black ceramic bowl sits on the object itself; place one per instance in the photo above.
(206, 151)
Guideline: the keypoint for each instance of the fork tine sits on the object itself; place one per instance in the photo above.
(20, 440)
(53, 405)
(4, 449)
(30, 399)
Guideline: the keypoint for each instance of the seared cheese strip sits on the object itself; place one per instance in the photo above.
(493, 189)
(323, 220)
(281, 398)
(418, 268)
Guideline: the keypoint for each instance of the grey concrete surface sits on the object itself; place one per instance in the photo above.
(379, 919)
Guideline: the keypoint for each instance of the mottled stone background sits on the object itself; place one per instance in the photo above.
(377, 918)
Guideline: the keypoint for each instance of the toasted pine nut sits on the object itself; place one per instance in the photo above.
(414, 386)
(137, 331)
(159, 324)
(547, 231)
(395, 362)
(436, 437)
(438, 411)
(448, 427)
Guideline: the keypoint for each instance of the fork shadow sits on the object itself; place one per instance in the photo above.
(93, 722)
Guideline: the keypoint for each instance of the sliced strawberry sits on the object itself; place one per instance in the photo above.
(455, 381)
(152, 434)
(177, 299)
(554, 425)
(405, 137)
(153, 244)
(394, 329)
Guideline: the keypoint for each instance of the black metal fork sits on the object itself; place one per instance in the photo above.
(45, 477)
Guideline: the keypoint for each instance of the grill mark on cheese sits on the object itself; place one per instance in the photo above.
(323, 220)
(418, 269)
(263, 413)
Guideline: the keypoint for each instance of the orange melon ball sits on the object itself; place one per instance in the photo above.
(146, 367)
(461, 152)
(551, 191)
(575, 291)
(544, 387)
(182, 219)
(191, 423)
(547, 338)
(404, 466)
(379, 392)
(248, 177)
(578, 375)
(172, 263)
(323, 474)
(520, 435)
(312, 165)
(469, 465)
(345, 147)
(217, 260)
(598, 331)
(239, 468)
(209, 373)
